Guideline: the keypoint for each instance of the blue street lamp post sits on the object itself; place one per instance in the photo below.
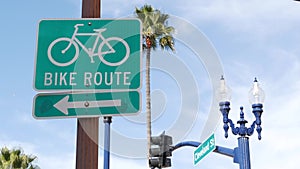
(256, 97)
(240, 154)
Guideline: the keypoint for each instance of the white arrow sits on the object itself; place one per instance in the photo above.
(63, 105)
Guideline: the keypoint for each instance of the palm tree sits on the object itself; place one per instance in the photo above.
(155, 30)
(15, 159)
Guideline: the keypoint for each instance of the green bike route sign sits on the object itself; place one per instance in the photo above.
(88, 54)
(205, 148)
(86, 104)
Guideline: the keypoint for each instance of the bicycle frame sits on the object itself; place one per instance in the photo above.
(89, 51)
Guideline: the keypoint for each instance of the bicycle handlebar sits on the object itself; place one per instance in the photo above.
(78, 25)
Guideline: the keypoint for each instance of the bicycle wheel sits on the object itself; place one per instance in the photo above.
(114, 51)
(61, 53)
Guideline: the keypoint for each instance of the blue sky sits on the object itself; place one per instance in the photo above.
(247, 38)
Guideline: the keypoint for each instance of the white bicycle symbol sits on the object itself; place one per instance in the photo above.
(90, 51)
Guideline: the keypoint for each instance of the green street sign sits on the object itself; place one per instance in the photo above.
(88, 54)
(205, 148)
(67, 105)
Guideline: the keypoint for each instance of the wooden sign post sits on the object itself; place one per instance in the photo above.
(88, 128)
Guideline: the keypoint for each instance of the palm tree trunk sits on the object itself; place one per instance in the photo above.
(148, 101)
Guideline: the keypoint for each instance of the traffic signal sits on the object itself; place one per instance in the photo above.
(160, 151)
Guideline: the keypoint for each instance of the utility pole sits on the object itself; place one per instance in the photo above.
(88, 128)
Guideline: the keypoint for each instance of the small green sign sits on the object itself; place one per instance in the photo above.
(205, 148)
(86, 104)
(88, 54)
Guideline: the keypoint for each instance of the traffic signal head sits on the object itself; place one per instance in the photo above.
(160, 150)
(161, 145)
(154, 163)
(160, 162)
(155, 151)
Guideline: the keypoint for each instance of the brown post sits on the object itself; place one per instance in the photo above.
(88, 128)
(90, 8)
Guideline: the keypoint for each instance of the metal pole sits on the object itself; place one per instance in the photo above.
(107, 121)
(244, 153)
(88, 128)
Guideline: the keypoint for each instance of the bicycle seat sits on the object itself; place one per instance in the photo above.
(100, 30)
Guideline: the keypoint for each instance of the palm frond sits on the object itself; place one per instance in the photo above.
(15, 159)
(167, 42)
(155, 27)
(5, 154)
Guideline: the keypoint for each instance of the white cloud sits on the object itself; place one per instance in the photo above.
(125, 163)
(62, 160)
(119, 8)
(259, 18)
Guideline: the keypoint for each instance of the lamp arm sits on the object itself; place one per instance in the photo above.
(250, 130)
(235, 130)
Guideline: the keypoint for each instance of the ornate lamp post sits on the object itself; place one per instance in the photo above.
(256, 97)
